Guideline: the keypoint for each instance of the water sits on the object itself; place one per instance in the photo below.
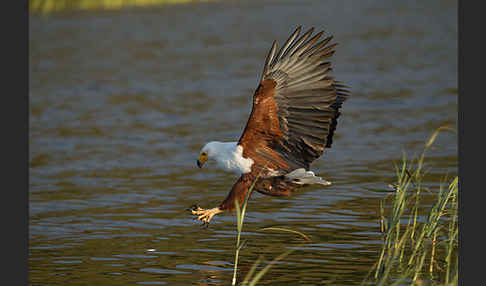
(122, 101)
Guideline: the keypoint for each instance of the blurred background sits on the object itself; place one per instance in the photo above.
(124, 94)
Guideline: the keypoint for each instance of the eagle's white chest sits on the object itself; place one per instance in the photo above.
(231, 159)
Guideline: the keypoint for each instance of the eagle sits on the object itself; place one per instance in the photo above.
(293, 119)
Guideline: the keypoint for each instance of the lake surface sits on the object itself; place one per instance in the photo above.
(121, 103)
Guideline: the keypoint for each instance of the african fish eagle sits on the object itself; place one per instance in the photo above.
(293, 118)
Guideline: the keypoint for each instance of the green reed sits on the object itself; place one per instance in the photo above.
(409, 246)
(251, 278)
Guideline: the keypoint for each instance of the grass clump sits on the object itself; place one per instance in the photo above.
(418, 249)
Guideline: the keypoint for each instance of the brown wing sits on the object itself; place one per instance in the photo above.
(296, 105)
(262, 130)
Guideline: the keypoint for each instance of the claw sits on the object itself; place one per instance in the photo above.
(205, 225)
(193, 208)
(204, 215)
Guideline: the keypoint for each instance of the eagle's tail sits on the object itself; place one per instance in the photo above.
(302, 177)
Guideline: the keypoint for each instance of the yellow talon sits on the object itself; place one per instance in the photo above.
(204, 215)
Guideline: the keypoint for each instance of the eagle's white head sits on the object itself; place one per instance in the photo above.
(209, 152)
(228, 156)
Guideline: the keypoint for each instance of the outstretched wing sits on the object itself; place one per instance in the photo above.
(296, 105)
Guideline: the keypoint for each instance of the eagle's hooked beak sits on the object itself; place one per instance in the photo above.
(202, 159)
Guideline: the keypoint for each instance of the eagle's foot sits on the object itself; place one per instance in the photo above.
(204, 215)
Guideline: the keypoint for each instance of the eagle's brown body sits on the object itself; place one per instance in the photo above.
(294, 116)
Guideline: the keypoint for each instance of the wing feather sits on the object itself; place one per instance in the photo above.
(300, 94)
(269, 58)
(287, 44)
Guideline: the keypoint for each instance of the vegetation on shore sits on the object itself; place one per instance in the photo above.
(51, 6)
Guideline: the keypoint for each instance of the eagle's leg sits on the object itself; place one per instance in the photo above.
(205, 215)
(237, 194)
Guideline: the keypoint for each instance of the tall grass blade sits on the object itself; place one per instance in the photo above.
(240, 216)
(262, 272)
(288, 230)
(252, 270)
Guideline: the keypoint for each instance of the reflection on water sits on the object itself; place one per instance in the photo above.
(121, 103)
